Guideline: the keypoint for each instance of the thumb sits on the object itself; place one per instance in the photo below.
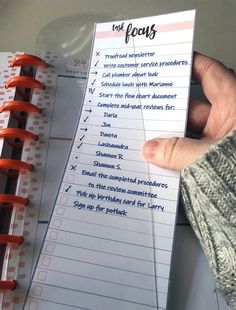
(175, 153)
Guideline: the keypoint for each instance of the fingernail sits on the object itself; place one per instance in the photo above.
(149, 149)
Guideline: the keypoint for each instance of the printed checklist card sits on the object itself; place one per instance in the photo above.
(109, 241)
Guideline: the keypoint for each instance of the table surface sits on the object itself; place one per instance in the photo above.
(191, 285)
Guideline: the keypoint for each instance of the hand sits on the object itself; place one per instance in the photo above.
(213, 121)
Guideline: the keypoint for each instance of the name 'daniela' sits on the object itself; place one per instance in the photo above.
(148, 31)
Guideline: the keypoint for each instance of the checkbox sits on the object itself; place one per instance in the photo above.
(70, 178)
(64, 199)
(50, 247)
(42, 275)
(53, 235)
(57, 223)
(37, 290)
(33, 305)
(46, 261)
(60, 211)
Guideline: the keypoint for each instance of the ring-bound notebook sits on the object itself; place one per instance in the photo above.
(26, 95)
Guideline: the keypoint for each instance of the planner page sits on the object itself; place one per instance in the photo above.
(17, 261)
(69, 87)
(109, 241)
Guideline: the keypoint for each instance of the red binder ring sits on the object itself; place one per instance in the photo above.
(20, 106)
(7, 285)
(28, 60)
(4, 239)
(8, 200)
(21, 134)
(14, 164)
(24, 81)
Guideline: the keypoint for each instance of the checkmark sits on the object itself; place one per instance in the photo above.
(91, 90)
(93, 82)
(95, 65)
(67, 189)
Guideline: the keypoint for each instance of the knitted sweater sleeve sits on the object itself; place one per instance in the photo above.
(208, 194)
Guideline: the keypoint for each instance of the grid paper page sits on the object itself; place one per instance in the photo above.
(109, 241)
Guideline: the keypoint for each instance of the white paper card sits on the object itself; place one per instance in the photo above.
(110, 237)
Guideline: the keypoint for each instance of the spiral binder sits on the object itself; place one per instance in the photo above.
(7, 285)
(4, 239)
(15, 164)
(23, 87)
(24, 81)
(28, 60)
(20, 105)
(7, 200)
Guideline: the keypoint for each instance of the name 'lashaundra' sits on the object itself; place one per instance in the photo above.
(116, 146)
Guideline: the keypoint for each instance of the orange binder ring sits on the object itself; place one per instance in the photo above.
(28, 60)
(4, 239)
(8, 200)
(20, 106)
(24, 81)
(7, 285)
(14, 164)
(21, 134)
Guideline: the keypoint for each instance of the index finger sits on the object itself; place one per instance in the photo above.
(217, 81)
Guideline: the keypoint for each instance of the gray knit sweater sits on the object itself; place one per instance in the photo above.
(209, 197)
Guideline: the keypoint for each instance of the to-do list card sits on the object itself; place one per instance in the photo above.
(109, 242)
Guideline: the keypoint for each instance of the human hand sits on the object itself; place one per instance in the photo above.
(212, 122)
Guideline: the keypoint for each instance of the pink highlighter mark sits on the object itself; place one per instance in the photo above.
(159, 28)
(109, 34)
(175, 26)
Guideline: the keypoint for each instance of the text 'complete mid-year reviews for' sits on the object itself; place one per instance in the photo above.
(109, 242)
